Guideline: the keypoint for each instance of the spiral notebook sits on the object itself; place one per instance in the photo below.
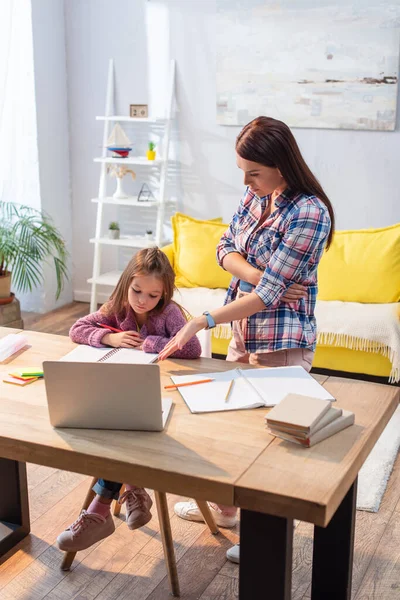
(83, 353)
(251, 388)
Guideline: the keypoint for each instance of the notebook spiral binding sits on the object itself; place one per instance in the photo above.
(106, 356)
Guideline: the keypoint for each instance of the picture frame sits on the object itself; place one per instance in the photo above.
(138, 111)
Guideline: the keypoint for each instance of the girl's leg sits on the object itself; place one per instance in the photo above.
(92, 525)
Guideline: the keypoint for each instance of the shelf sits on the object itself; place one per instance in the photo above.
(133, 241)
(111, 278)
(131, 201)
(129, 160)
(131, 119)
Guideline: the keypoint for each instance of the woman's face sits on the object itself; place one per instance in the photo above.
(261, 180)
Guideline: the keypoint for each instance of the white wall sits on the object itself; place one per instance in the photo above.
(52, 134)
(358, 169)
(97, 30)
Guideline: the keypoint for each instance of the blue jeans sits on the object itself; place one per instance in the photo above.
(107, 489)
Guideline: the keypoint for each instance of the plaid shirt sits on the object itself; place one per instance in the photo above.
(287, 247)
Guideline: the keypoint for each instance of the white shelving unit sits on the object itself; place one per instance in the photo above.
(159, 166)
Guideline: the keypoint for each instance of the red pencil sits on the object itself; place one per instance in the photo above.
(109, 327)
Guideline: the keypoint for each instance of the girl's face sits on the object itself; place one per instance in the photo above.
(262, 180)
(145, 293)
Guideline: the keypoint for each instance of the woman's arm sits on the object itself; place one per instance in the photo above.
(238, 309)
(236, 264)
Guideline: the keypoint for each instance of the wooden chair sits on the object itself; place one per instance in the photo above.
(165, 530)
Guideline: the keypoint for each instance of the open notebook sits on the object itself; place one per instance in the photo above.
(90, 354)
(251, 388)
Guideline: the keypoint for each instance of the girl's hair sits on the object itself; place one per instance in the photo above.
(271, 143)
(149, 261)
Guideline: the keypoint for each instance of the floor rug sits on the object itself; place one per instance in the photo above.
(375, 472)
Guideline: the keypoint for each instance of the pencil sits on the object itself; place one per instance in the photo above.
(229, 390)
(176, 385)
(109, 327)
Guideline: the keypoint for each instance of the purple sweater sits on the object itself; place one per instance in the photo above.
(156, 333)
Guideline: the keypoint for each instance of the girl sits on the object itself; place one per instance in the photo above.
(272, 248)
(142, 307)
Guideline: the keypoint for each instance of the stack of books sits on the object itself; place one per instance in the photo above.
(306, 420)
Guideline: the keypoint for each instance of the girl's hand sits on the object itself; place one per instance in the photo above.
(295, 292)
(125, 339)
(181, 338)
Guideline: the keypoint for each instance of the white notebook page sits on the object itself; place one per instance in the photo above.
(83, 353)
(210, 397)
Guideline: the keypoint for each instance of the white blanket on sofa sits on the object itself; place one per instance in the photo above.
(368, 327)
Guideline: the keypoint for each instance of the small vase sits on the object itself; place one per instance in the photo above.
(113, 234)
(148, 236)
(151, 154)
(119, 193)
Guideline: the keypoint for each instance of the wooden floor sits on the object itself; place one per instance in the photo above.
(129, 565)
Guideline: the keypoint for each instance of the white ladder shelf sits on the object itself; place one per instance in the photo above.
(160, 163)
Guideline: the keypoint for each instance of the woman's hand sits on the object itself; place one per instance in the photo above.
(181, 338)
(125, 339)
(294, 293)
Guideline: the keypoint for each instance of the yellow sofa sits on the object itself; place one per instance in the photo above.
(361, 266)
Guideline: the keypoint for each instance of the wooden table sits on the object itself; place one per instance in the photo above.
(225, 457)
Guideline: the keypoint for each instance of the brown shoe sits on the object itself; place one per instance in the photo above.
(138, 504)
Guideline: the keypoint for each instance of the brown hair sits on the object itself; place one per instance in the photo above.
(271, 143)
(149, 261)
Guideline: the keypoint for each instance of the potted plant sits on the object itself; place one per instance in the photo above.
(151, 153)
(149, 234)
(113, 230)
(119, 172)
(28, 238)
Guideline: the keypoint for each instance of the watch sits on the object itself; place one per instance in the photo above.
(210, 321)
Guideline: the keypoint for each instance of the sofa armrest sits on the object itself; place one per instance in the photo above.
(169, 251)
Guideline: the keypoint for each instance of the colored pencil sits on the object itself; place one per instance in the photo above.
(176, 385)
(109, 327)
(229, 391)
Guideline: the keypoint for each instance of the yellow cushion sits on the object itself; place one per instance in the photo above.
(362, 266)
(169, 251)
(195, 243)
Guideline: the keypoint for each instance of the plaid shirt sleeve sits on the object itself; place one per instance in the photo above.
(304, 239)
(227, 242)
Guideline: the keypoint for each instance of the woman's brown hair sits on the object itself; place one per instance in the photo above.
(149, 261)
(271, 143)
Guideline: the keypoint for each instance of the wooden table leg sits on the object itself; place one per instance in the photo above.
(333, 552)
(14, 504)
(266, 547)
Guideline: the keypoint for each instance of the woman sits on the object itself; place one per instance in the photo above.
(272, 248)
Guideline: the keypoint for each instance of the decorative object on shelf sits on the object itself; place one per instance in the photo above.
(149, 234)
(145, 194)
(119, 172)
(151, 153)
(139, 111)
(28, 238)
(113, 230)
(118, 142)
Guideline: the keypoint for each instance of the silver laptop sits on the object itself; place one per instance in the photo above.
(105, 396)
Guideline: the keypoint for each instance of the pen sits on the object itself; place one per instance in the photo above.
(229, 391)
(176, 385)
(109, 327)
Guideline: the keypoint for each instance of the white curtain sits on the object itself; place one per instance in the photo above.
(19, 173)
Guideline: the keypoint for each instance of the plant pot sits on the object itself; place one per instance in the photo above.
(113, 234)
(151, 154)
(148, 236)
(5, 285)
